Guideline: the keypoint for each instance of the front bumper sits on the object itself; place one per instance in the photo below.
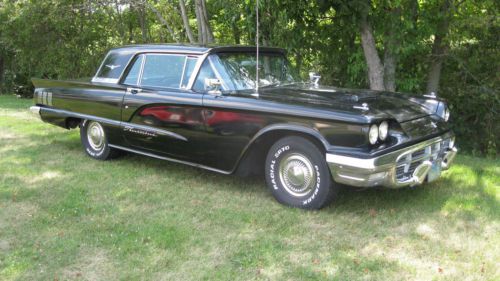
(408, 166)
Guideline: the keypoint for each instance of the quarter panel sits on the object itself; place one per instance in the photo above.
(91, 99)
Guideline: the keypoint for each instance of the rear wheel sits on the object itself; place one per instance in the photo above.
(95, 142)
(297, 174)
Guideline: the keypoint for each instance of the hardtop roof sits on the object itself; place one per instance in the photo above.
(194, 49)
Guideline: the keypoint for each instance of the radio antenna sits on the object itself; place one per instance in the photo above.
(257, 49)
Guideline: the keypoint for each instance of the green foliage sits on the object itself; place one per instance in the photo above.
(66, 39)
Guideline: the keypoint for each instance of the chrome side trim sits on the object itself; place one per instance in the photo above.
(169, 159)
(123, 125)
(128, 126)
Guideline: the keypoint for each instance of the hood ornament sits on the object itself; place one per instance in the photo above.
(364, 106)
(314, 78)
(431, 95)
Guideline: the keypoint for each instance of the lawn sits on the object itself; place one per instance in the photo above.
(64, 216)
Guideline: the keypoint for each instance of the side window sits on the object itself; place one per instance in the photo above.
(188, 70)
(163, 70)
(133, 74)
(206, 71)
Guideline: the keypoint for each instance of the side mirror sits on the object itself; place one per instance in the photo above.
(314, 78)
(212, 86)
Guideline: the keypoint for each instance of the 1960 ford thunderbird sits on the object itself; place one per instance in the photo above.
(204, 107)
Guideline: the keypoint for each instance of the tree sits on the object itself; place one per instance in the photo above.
(439, 47)
(163, 21)
(205, 34)
(375, 67)
(185, 22)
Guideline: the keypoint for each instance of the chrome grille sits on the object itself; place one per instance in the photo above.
(418, 154)
(407, 164)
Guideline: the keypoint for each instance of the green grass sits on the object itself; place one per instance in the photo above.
(64, 216)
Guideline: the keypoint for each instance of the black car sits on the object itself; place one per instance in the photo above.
(204, 107)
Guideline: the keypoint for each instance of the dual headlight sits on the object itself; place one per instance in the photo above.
(446, 115)
(378, 132)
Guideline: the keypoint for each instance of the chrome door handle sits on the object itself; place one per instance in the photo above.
(134, 91)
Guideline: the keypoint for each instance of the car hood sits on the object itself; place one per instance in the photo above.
(379, 104)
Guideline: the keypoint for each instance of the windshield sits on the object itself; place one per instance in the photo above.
(238, 71)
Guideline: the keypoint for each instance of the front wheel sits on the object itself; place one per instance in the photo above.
(95, 141)
(297, 174)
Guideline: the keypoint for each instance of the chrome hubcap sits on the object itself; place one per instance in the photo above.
(297, 174)
(95, 135)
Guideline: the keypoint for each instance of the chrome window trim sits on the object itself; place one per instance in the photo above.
(141, 71)
(133, 60)
(183, 72)
(196, 70)
(95, 78)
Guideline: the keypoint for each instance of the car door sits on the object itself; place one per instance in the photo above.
(159, 115)
(229, 127)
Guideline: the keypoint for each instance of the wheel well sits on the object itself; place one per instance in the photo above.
(72, 122)
(252, 162)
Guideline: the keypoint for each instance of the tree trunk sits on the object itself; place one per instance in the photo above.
(208, 28)
(199, 23)
(375, 67)
(163, 21)
(121, 25)
(142, 21)
(205, 35)
(390, 63)
(439, 49)
(298, 61)
(236, 29)
(391, 46)
(413, 6)
(2, 71)
(185, 21)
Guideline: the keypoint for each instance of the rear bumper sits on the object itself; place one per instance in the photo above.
(408, 166)
(35, 110)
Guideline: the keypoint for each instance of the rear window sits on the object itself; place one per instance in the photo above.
(113, 65)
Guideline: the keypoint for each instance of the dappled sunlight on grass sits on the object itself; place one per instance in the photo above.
(66, 216)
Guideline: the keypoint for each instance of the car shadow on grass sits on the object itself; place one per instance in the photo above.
(428, 198)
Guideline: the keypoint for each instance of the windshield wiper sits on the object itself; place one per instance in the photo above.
(278, 84)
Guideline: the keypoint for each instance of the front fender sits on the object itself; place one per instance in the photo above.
(256, 150)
